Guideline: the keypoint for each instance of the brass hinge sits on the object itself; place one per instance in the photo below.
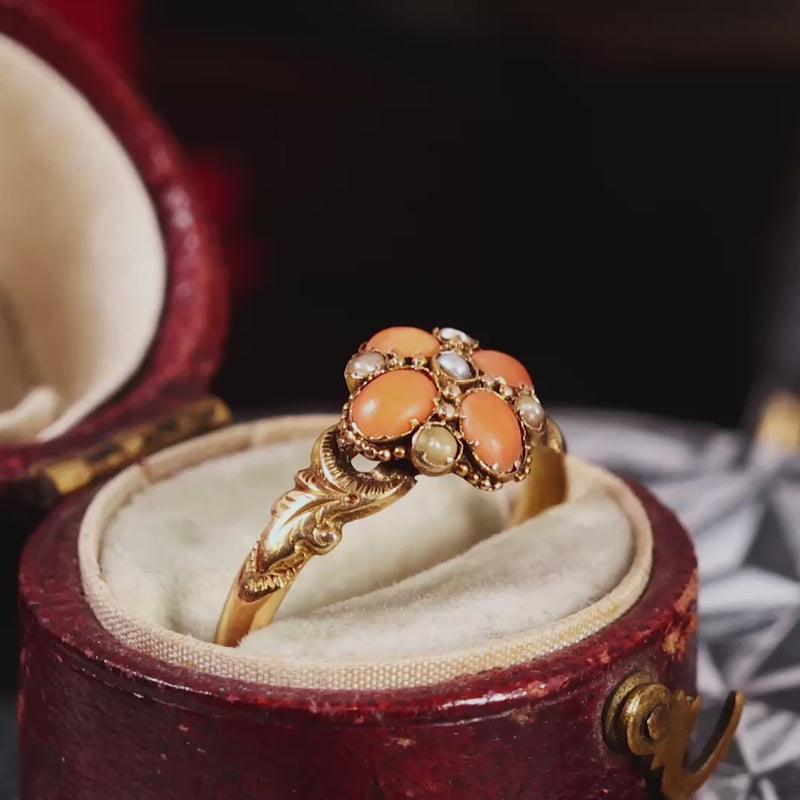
(128, 445)
(648, 720)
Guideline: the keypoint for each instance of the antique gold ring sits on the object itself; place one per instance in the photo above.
(420, 403)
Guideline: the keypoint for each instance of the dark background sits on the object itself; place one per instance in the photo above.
(604, 195)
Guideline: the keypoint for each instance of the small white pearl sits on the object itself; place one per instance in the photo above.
(449, 334)
(455, 366)
(363, 365)
(531, 411)
(434, 449)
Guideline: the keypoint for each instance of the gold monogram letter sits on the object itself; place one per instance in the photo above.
(648, 720)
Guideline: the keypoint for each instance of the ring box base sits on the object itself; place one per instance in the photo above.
(99, 719)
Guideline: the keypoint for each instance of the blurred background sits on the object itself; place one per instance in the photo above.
(609, 196)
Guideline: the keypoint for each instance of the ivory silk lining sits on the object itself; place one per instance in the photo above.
(82, 263)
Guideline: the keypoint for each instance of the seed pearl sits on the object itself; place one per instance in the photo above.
(531, 411)
(455, 366)
(363, 365)
(434, 450)
(449, 334)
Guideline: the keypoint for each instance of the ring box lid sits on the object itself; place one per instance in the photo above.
(185, 347)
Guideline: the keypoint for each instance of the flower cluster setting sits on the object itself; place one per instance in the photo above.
(441, 402)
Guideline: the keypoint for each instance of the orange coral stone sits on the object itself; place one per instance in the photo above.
(502, 365)
(394, 404)
(491, 427)
(405, 342)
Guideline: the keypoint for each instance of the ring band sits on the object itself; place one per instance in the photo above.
(420, 403)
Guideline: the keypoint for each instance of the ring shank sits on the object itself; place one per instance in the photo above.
(240, 615)
(547, 484)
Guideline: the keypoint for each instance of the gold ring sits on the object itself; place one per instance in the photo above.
(420, 403)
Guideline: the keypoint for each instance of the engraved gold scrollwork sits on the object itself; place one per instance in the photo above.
(648, 720)
(308, 519)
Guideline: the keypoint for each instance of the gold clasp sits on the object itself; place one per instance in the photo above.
(648, 720)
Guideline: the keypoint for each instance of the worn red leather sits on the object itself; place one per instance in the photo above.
(99, 720)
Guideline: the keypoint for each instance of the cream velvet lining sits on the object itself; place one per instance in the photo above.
(422, 592)
(82, 264)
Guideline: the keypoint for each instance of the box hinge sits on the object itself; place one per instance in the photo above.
(124, 447)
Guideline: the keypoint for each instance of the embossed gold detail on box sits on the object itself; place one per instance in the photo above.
(651, 722)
